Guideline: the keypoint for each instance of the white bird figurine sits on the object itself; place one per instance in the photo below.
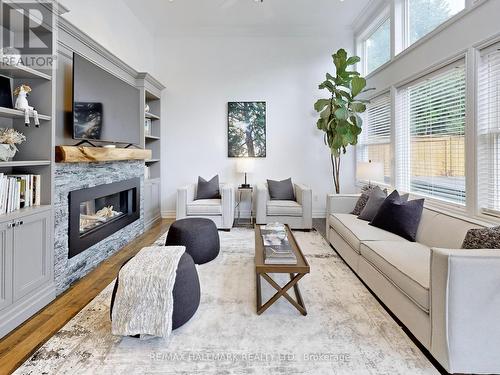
(22, 104)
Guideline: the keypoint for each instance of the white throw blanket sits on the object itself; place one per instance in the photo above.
(144, 298)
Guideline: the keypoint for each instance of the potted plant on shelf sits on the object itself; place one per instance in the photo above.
(9, 138)
(339, 115)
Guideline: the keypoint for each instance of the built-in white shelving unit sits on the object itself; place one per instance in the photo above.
(27, 249)
(151, 96)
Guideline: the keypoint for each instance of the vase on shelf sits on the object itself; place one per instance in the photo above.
(7, 151)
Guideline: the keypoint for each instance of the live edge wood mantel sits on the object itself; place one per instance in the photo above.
(78, 154)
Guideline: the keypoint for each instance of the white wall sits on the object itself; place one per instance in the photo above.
(113, 25)
(202, 74)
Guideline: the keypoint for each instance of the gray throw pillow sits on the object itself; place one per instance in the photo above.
(281, 190)
(377, 203)
(376, 198)
(484, 238)
(208, 189)
(363, 199)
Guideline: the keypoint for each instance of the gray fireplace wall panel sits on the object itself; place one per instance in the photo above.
(74, 176)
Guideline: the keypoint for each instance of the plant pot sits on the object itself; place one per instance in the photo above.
(7, 152)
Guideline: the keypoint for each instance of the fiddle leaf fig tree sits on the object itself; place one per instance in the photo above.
(339, 115)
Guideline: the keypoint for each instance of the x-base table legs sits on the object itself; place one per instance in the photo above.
(281, 292)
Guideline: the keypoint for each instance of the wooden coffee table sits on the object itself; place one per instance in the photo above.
(296, 272)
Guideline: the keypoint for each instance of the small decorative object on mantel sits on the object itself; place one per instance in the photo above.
(9, 138)
(22, 104)
(147, 108)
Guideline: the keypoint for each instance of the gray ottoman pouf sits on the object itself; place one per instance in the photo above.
(198, 235)
(186, 291)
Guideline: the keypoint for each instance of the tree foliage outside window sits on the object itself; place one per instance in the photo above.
(378, 47)
(425, 15)
(247, 129)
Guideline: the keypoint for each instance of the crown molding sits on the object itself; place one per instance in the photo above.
(66, 26)
(88, 41)
(58, 9)
(148, 78)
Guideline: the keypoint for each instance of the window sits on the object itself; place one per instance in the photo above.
(425, 15)
(375, 139)
(489, 131)
(378, 47)
(430, 136)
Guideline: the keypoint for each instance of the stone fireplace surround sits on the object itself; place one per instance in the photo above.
(74, 176)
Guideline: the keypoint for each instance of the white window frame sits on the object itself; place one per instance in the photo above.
(472, 55)
(401, 31)
(479, 51)
(404, 156)
(368, 31)
(385, 93)
(397, 11)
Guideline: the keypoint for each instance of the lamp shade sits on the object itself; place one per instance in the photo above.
(245, 165)
(370, 171)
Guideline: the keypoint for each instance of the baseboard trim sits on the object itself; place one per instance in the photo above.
(168, 214)
(16, 314)
(319, 214)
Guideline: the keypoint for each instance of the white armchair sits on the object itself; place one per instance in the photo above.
(297, 214)
(220, 211)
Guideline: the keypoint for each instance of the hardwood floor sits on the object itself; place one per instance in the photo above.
(27, 338)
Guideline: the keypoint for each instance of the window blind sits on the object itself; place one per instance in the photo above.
(488, 128)
(375, 140)
(430, 136)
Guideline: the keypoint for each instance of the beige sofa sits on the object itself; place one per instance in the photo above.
(449, 298)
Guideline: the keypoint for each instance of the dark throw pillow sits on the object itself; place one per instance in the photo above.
(281, 190)
(375, 200)
(208, 189)
(484, 238)
(399, 217)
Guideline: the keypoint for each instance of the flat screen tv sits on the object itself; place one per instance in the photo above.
(105, 108)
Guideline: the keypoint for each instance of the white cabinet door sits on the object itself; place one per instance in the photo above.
(148, 202)
(155, 193)
(31, 241)
(151, 201)
(5, 266)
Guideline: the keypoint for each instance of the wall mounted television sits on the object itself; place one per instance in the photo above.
(105, 108)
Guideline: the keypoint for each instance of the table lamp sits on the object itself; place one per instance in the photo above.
(245, 165)
(370, 171)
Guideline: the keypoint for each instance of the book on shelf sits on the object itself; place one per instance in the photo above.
(19, 191)
(147, 126)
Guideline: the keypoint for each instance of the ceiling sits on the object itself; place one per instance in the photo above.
(246, 17)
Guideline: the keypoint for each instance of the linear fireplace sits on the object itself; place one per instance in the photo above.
(97, 212)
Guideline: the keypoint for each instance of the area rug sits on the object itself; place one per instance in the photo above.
(346, 330)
